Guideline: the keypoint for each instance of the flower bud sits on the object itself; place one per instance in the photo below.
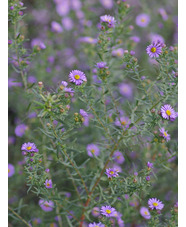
(40, 84)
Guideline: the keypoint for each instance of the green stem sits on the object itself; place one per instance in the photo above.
(18, 216)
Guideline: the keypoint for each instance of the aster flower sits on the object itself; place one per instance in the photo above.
(96, 225)
(48, 183)
(118, 157)
(95, 211)
(142, 20)
(135, 39)
(69, 90)
(56, 27)
(109, 20)
(111, 172)
(93, 149)
(64, 83)
(77, 77)
(118, 52)
(38, 42)
(125, 89)
(164, 134)
(29, 147)
(87, 39)
(11, 170)
(107, 4)
(154, 49)
(108, 211)
(167, 112)
(155, 203)
(83, 113)
(150, 165)
(120, 222)
(117, 167)
(101, 65)
(46, 206)
(36, 221)
(20, 130)
(145, 213)
(123, 122)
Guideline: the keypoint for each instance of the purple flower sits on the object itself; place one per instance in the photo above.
(156, 38)
(93, 149)
(64, 83)
(120, 222)
(109, 20)
(132, 52)
(38, 42)
(32, 79)
(163, 14)
(118, 157)
(56, 27)
(155, 203)
(148, 178)
(29, 147)
(107, 4)
(96, 225)
(32, 115)
(135, 39)
(101, 65)
(125, 89)
(9, 41)
(164, 134)
(48, 183)
(87, 39)
(142, 20)
(11, 8)
(145, 213)
(111, 172)
(118, 52)
(167, 112)
(11, 170)
(117, 168)
(123, 122)
(77, 77)
(83, 113)
(21, 13)
(69, 90)
(108, 211)
(20, 130)
(36, 221)
(67, 23)
(154, 49)
(150, 165)
(46, 206)
(95, 211)
(47, 170)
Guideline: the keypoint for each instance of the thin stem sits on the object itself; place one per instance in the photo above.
(18, 216)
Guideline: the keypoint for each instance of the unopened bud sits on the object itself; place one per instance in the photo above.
(40, 84)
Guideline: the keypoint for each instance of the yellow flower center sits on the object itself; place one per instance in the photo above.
(118, 157)
(118, 54)
(111, 172)
(143, 20)
(92, 150)
(46, 205)
(29, 148)
(9, 170)
(146, 212)
(108, 211)
(48, 184)
(123, 122)
(153, 49)
(77, 77)
(165, 133)
(52, 225)
(168, 112)
(155, 204)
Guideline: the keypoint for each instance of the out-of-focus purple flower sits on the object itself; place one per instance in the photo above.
(51, 59)
(56, 27)
(9, 41)
(108, 211)
(155, 203)
(148, 178)
(134, 203)
(11, 8)
(32, 115)
(69, 90)
(101, 65)
(13, 83)
(63, 8)
(111, 172)
(70, 216)
(29, 147)
(20, 130)
(164, 134)
(47, 206)
(87, 39)
(135, 173)
(132, 52)
(142, 20)
(96, 80)
(38, 42)
(126, 90)
(118, 52)
(96, 225)
(47, 170)
(154, 49)
(77, 77)
(95, 211)
(20, 13)
(167, 112)
(156, 38)
(11, 139)
(120, 222)
(67, 23)
(117, 167)
(68, 194)
(93, 149)
(163, 14)
(107, 4)
(48, 183)
(11, 170)
(109, 20)
(83, 113)
(32, 79)
(135, 39)
(122, 122)
(150, 165)
(21, 3)
(76, 5)
(145, 213)
(118, 157)
(36, 221)
(64, 83)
